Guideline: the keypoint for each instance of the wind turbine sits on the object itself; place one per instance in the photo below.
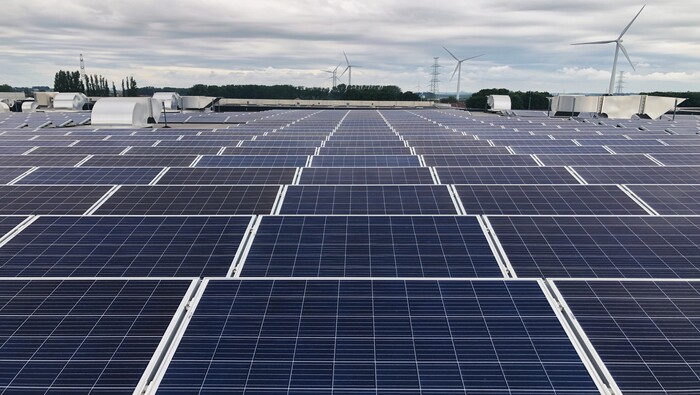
(334, 75)
(458, 68)
(618, 47)
(348, 69)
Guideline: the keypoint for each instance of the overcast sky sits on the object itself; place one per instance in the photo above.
(526, 43)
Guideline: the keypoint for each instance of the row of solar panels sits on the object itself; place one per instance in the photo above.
(349, 199)
(301, 336)
(351, 246)
(662, 175)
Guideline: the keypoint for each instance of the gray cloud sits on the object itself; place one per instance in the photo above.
(180, 43)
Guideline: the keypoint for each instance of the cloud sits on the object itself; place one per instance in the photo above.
(272, 41)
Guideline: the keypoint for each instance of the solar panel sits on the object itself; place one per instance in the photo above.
(190, 200)
(91, 175)
(601, 247)
(505, 175)
(31, 160)
(479, 160)
(678, 159)
(547, 200)
(139, 161)
(656, 149)
(174, 150)
(375, 337)
(378, 246)
(640, 175)
(82, 336)
(268, 151)
(12, 150)
(43, 200)
(80, 150)
(560, 150)
(370, 199)
(92, 246)
(645, 332)
(253, 161)
(670, 199)
(365, 161)
(365, 151)
(221, 176)
(596, 160)
(459, 150)
(366, 175)
(8, 174)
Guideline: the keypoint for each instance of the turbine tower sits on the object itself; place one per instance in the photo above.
(334, 75)
(348, 69)
(618, 47)
(458, 69)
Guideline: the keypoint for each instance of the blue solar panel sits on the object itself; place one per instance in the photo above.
(560, 150)
(371, 199)
(190, 200)
(123, 246)
(252, 161)
(8, 223)
(365, 161)
(640, 175)
(82, 336)
(375, 337)
(678, 159)
(547, 200)
(670, 199)
(367, 175)
(601, 247)
(139, 161)
(645, 332)
(35, 160)
(479, 160)
(221, 176)
(49, 199)
(400, 246)
(91, 175)
(596, 160)
(505, 175)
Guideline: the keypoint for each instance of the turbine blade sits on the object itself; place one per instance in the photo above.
(455, 72)
(336, 67)
(631, 22)
(624, 51)
(451, 54)
(473, 57)
(343, 73)
(597, 42)
(346, 58)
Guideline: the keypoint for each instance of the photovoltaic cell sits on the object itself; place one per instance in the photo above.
(191, 200)
(43, 200)
(82, 336)
(670, 199)
(601, 247)
(505, 175)
(640, 175)
(221, 176)
(92, 246)
(366, 175)
(252, 161)
(369, 199)
(375, 337)
(645, 332)
(8, 223)
(381, 246)
(91, 175)
(678, 159)
(547, 200)
(560, 150)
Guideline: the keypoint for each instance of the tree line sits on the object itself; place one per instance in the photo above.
(291, 92)
(92, 85)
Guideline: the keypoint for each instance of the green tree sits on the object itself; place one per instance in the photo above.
(5, 88)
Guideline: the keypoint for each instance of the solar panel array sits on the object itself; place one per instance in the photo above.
(345, 251)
